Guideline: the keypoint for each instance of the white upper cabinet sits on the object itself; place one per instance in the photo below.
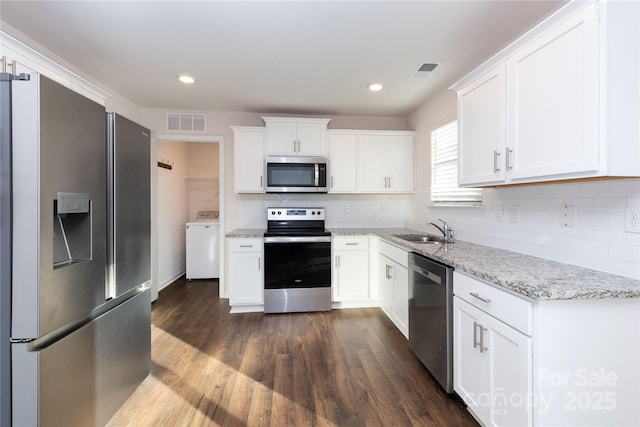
(554, 102)
(248, 159)
(296, 136)
(343, 148)
(385, 162)
(547, 108)
(482, 128)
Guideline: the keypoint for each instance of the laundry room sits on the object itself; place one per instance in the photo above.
(187, 195)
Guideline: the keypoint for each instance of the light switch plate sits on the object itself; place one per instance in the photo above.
(514, 213)
(499, 212)
(632, 219)
(568, 216)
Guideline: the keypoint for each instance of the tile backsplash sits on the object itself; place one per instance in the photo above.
(525, 219)
(348, 210)
(530, 219)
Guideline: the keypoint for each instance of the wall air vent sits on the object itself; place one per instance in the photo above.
(187, 122)
(423, 71)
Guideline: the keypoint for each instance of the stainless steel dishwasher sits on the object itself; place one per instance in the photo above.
(431, 317)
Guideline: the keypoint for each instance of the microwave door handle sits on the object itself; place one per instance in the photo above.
(316, 170)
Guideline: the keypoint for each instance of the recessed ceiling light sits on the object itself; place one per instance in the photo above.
(184, 78)
(375, 87)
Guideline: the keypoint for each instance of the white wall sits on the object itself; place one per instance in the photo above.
(597, 240)
(203, 171)
(173, 212)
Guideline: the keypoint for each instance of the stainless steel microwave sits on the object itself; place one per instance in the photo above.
(296, 174)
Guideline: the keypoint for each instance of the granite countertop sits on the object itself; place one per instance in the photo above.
(532, 277)
(246, 232)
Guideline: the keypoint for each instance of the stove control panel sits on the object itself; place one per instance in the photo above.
(295, 214)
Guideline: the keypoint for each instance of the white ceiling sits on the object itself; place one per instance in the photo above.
(295, 57)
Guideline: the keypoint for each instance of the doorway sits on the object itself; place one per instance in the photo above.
(189, 179)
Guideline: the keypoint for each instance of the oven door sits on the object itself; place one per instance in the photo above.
(297, 274)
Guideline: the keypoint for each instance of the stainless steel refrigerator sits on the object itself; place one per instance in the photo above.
(75, 326)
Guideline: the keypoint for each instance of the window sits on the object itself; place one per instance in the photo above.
(444, 168)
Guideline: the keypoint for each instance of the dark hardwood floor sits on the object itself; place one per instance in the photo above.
(341, 368)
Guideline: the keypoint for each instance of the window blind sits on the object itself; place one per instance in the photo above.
(444, 168)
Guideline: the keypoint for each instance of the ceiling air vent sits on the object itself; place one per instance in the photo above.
(423, 71)
(187, 122)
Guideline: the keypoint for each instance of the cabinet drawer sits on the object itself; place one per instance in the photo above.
(393, 252)
(245, 245)
(510, 309)
(350, 243)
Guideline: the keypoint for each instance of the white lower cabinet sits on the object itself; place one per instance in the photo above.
(350, 282)
(519, 362)
(246, 274)
(393, 285)
(492, 367)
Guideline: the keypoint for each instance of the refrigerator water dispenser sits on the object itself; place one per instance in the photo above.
(71, 229)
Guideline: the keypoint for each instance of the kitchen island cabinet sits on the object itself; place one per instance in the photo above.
(246, 275)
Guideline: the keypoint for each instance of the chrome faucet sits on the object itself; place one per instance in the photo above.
(446, 231)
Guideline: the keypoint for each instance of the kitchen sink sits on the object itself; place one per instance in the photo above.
(421, 238)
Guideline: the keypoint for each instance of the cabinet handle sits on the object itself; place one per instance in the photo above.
(475, 334)
(259, 264)
(260, 181)
(388, 271)
(476, 342)
(495, 161)
(337, 261)
(389, 182)
(475, 295)
(509, 150)
(246, 246)
(481, 343)
(295, 146)
(331, 182)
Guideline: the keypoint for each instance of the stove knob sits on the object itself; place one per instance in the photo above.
(273, 212)
(279, 212)
(313, 212)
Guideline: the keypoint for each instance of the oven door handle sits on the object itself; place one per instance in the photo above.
(298, 239)
(316, 175)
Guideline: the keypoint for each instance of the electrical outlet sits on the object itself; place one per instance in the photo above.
(347, 207)
(632, 219)
(499, 211)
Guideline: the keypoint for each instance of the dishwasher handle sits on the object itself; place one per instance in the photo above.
(429, 275)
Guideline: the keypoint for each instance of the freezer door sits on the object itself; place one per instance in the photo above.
(130, 196)
(82, 379)
(59, 148)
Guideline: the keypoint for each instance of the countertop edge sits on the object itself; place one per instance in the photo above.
(531, 277)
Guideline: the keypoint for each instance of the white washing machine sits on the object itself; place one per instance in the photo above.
(203, 246)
